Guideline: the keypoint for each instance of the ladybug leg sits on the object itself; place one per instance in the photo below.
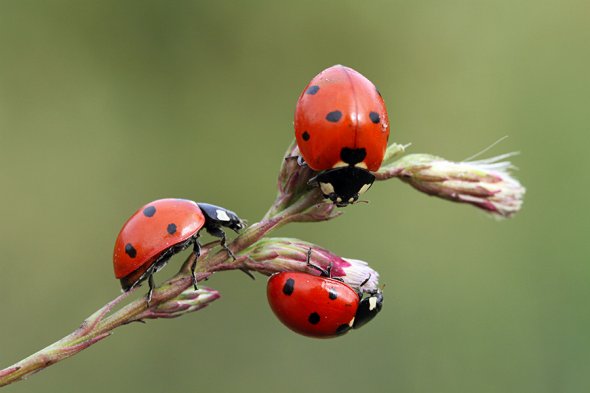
(247, 272)
(300, 160)
(323, 272)
(360, 292)
(313, 181)
(151, 290)
(366, 280)
(197, 252)
(218, 232)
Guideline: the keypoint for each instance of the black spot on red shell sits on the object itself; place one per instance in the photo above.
(352, 156)
(305, 135)
(289, 287)
(334, 116)
(130, 250)
(314, 318)
(332, 294)
(149, 211)
(312, 89)
(342, 329)
(171, 229)
(375, 117)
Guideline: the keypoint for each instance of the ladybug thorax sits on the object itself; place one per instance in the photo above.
(344, 185)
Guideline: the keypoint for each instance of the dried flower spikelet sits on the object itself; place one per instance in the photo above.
(394, 150)
(293, 175)
(319, 210)
(273, 255)
(186, 302)
(486, 184)
(360, 275)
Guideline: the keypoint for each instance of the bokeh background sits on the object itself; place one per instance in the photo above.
(106, 105)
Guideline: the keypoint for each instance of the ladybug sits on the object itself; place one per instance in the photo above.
(161, 229)
(319, 306)
(342, 128)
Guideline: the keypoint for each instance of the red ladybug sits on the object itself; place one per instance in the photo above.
(159, 230)
(317, 306)
(342, 128)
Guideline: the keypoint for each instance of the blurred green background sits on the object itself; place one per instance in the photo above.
(106, 105)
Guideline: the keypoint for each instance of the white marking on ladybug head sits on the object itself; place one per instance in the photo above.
(222, 215)
(327, 188)
(372, 303)
(350, 200)
(361, 164)
(340, 164)
(364, 188)
(338, 199)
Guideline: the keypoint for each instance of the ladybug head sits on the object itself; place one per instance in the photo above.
(369, 307)
(219, 216)
(343, 185)
(235, 223)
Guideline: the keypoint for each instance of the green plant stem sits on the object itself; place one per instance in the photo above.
(101, 323)
(485, 184)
